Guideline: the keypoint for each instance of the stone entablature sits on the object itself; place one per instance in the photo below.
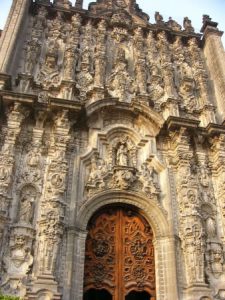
(101, 107)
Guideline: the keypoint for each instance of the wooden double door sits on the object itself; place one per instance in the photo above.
(119, 259)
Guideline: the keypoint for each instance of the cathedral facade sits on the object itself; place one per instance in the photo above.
(112, 154)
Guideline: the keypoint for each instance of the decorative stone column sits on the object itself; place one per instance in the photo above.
(217, 158)
(165, 256)
(16, 115)
(191, 231)
(78, 265)
(215, 249)
(11, 32)
(214, 54)
(52, 209)
(99, 62)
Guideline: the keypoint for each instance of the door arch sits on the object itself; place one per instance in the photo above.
(119, 256)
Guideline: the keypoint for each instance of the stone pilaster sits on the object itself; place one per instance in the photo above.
(191, 231)
(165, 254)
(16, 115)
(217, 158)
(52, 208)
(11, 32)
(214, 54)
(79, 258)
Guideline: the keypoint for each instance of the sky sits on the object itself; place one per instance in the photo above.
(177, 9)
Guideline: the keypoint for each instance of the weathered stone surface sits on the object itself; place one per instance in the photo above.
(100, 107)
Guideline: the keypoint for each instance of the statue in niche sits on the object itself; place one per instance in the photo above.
(203, 175)
(211, 227)
(32, 52)
(156, 88)
(85, 78)
(69, 64)
(122, 155)
(27, 200)
(120, 83)
(185, 70)
(33, 158)
(186, 92)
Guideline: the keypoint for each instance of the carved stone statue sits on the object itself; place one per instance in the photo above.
(17, 263)
(187, 25)
(122, 155)
(26, 209)
(120, 82)
(210, 228)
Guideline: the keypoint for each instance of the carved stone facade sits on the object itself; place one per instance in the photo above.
(102, 110)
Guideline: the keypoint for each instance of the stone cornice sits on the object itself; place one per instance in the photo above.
(10, 97)
(174, 123)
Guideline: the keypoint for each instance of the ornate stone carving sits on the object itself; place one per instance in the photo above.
(119, 171)
(17, 261)
(187, 25)
(120, 83)
(173, 25)
(27, 201)
(51, 226)
(100, 55)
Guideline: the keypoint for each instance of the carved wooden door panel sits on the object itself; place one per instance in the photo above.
(119, 255)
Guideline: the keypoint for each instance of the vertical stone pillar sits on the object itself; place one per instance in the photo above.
(11, 32)
(79, 261)
(165, 256)
(214, 54)
(52, 208)
(191, 231)
(16, 115)
(7, 155)
(217, 158)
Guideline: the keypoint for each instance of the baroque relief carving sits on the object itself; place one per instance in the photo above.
(119, 171)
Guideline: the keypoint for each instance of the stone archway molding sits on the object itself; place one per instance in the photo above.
(152, 211)
(136, 107)
(164, 242)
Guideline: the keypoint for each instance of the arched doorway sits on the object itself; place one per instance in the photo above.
(119, 256)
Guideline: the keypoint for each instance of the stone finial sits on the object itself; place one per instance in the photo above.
(207, 22)
(63, 3)
(158, 18)
(173, 24)
(187, 25)
(79, 4)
